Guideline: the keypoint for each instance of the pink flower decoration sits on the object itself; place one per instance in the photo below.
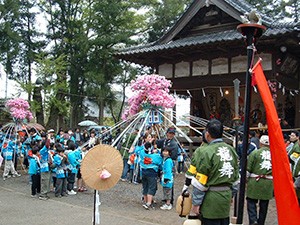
(105, 174)
(19, 109)
(152, 89)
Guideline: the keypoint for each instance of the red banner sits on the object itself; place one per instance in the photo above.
(288, 210)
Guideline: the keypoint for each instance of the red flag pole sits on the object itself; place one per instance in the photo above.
(252, 32)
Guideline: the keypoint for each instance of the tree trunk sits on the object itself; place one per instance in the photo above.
(101, 111)
(37, 97)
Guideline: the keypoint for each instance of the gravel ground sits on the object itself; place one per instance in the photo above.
(123, 200)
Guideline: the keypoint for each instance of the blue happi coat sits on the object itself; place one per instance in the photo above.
(74, 158)
(8, 149)
(61, 167)
(34, 167)
(167, 174)
(44, 152)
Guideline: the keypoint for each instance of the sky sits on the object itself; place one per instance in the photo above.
(12, 87)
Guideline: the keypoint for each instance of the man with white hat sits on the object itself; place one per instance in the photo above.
(51, 134)
(260, 182)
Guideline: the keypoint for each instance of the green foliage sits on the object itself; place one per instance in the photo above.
(278, 9)
(27, 87)
(74, 57)
(162, 15)
(52, 72)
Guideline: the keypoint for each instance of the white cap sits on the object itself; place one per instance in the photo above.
(51, 131)
(264, 139)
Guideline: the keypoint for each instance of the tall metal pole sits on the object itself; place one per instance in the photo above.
(251, 31)
(236, 120)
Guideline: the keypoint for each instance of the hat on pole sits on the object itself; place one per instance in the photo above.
(102, 167)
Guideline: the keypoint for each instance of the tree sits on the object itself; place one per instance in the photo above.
(68, 37)
(117, 101)
(20, 40)
(114, 23)
(278, 9)
(162, 14)
(51, 71)
(9, 35)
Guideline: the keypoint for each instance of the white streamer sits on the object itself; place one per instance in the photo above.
(203, 92)
(221, 92)
(97, 206)
(189, 93)
(255, 89)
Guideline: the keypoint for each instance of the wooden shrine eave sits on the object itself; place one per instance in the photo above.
(198, 82)
(194, 52)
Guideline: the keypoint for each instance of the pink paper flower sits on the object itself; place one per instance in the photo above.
(19, 109)
(149, 89)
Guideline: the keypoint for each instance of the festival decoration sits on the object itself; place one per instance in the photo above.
(273, 88)
(151, 91)
(101, 169)
(19, 109)
(287, 204)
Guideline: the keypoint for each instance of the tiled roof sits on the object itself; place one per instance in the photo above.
(229, 35)
(273, 28)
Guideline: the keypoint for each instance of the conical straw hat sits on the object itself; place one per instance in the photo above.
(99, 158)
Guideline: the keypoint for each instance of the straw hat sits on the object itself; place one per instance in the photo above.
(102, 167)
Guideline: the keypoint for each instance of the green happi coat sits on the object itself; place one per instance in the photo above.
(294, 154)
(217, 167)
(259, 168)
(192, 171)
(296, 174)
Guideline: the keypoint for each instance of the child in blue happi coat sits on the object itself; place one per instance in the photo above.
(45, 168)
(167, 178)
(34, 172)
(60, 161)
(8, 150)
(74, 158)
(150, 165)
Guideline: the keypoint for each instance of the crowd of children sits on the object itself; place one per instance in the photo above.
(53, 161)
(150, 162)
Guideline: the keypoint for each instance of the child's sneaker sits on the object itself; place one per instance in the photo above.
(166, 207)
(146, 206)
(72, 192)
(33, 196)
(44, 198)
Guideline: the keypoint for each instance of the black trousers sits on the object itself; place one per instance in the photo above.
(36, 184)
(224, 221)
(61, 187)
(252, 211)
(71, 181)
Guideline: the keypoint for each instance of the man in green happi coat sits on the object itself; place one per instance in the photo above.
(296, 176)
(192, 170)
(217, 172)
(260, 182)
(294, 151)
